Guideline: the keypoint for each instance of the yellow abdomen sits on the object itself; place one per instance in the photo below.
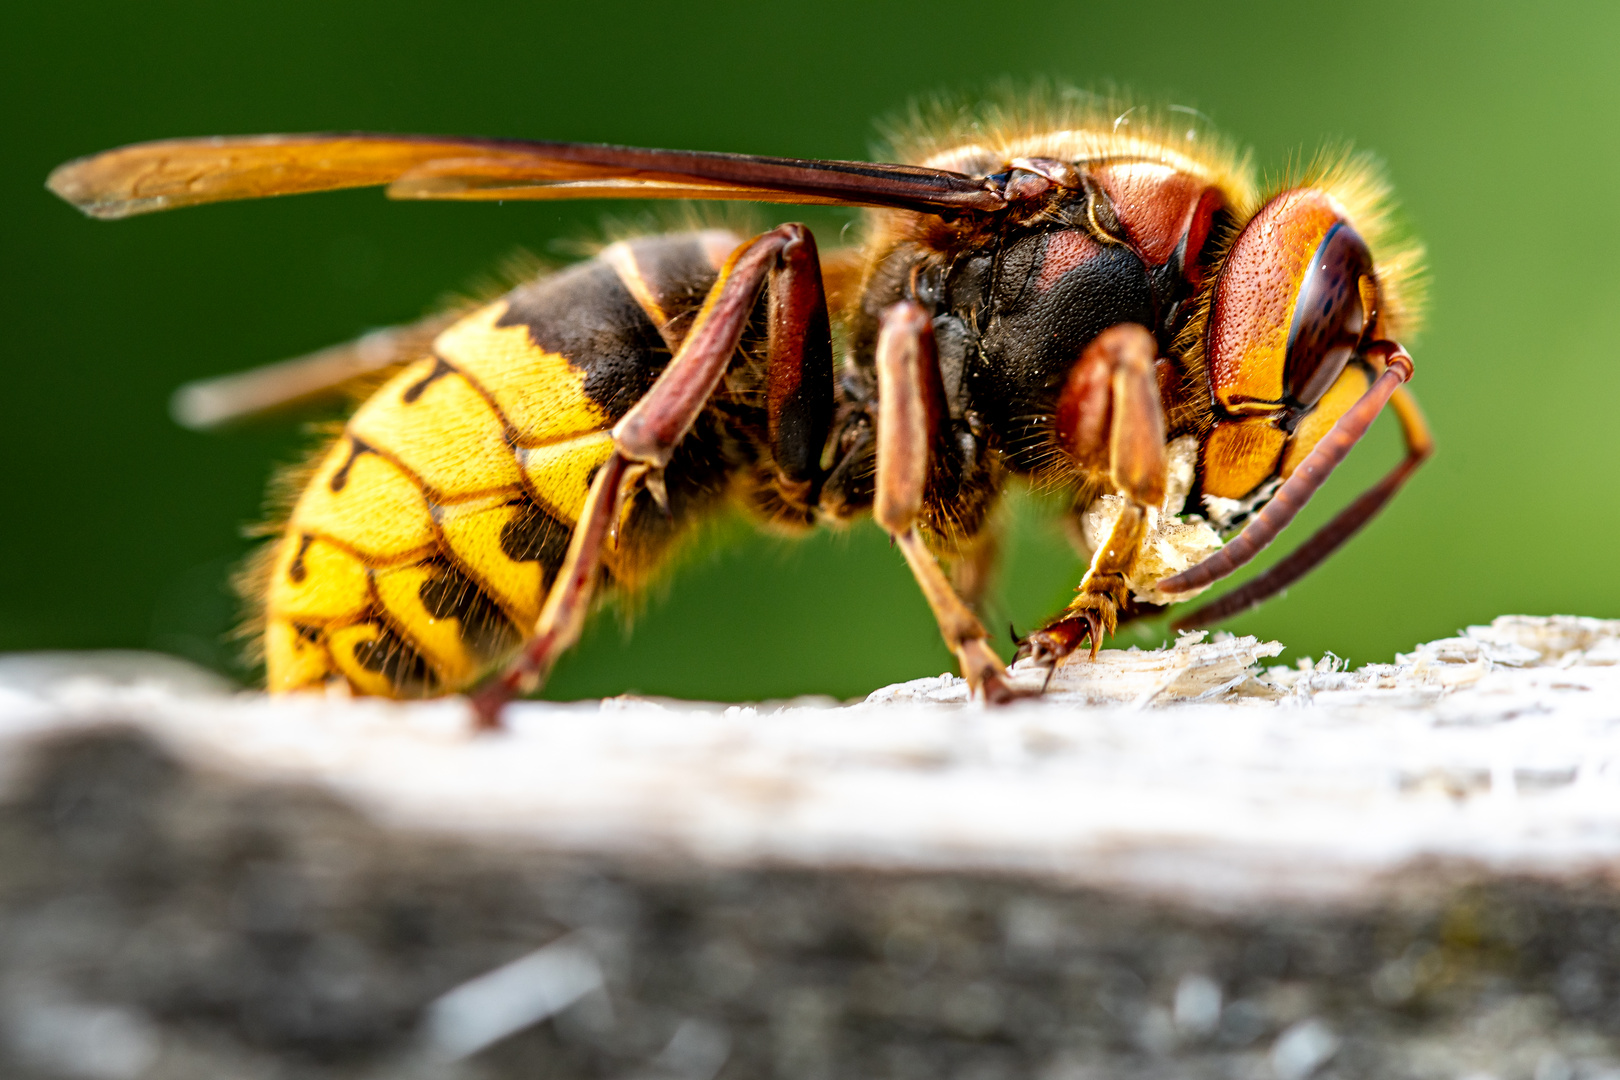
(421, 549)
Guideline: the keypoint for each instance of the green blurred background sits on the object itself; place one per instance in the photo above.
(1500, 127)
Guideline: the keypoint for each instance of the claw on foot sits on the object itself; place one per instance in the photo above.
(986, 675)
(998, 691)
(1094, 630)
(490, 700)
(1049, 645)
(486, 707)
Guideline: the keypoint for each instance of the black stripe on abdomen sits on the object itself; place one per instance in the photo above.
(589, 314)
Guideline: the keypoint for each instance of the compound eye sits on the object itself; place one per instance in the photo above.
(1328, 315)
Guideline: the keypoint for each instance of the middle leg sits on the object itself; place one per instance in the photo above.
(911, 418)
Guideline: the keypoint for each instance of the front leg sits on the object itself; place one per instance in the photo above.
(1109, 417)
(911, 417)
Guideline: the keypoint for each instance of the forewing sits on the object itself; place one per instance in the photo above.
(186, 172)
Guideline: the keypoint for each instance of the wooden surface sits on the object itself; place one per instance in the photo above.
(1179, 863)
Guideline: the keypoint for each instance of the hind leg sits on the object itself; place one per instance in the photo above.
(646, 438)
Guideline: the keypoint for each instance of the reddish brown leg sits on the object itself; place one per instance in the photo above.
(799, 394)
(563, 615)
(911, 412)
(646, 438)
(1326, 540)
(1109, 416)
